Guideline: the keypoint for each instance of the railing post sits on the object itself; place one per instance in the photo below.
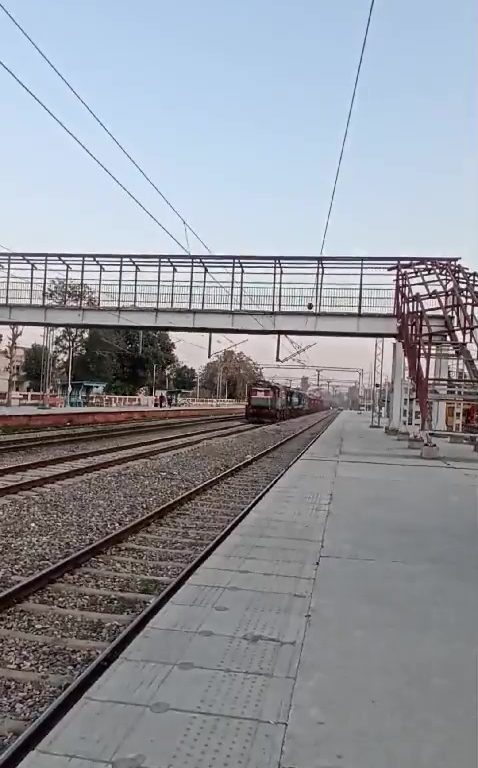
(82, 278)
(280, 286)
(31, 283)
(319, 303)
(191, 279)
(66, 281)
(7, 290)
(100, 280)
(45, 271)
(204, 286)
(274, 286)
(241, 287)
(316, 303)
(158, 285)
(135, 295)
(232, 284)
(120, 283)
(360, 288)
(397, 290)
(172, 287)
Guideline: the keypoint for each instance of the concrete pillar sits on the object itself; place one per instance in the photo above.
(398, 366)
(439, 407)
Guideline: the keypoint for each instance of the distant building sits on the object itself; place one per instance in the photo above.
(19, 383)
(304, 383)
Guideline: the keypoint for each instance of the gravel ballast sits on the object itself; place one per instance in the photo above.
(69, 450)
(41, 529)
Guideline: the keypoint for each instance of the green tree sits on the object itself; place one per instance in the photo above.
(70, 341)
(184, 376)
(229, 373)
(96, 360)
(32, 365)
(124, 359)
(15, 331)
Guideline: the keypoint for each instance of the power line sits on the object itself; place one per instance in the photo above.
(357, 76)
(93, 157)
(4, 248)
(105, 169)
(187, 227)
(98, 120)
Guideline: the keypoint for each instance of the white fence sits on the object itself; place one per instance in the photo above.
(117, 401)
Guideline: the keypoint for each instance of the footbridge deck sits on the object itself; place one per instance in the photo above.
(347, 296)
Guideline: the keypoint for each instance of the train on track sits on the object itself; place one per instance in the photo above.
(268, 402)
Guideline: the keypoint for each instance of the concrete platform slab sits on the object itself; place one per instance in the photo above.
(387, 674)
(264, 566)
(209, 651)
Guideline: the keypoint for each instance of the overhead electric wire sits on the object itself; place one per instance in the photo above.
(100, 122)
(90, 154)
(187, 226)
(349, 116)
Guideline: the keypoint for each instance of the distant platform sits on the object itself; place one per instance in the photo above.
(335, 628)
(28, 417)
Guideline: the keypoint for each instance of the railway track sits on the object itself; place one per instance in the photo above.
(26, 476)
(70, 435)
(62, 627)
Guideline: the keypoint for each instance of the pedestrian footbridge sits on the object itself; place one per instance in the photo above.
(244, 294)
(429, 305)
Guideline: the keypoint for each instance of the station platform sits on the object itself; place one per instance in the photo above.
(337, 627)
(28, 417)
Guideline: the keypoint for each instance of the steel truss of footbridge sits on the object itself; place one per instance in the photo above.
(346, 296)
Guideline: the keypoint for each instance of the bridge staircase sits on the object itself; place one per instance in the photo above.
(437, 312)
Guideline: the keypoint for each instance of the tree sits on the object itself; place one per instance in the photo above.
(184, 377)
(15, 331)
(124, 359)
(69, 342)
(229, 373)
(33, 364)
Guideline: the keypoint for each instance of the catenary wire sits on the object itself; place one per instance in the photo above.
(349, 116)
(105, 169)
(187, 226)
(91, 155)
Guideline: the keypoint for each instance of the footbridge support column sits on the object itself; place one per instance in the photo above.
(439, 407)
(398, 367)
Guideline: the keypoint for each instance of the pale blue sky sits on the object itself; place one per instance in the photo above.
(237, 110)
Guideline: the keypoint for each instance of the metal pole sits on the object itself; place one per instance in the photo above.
(50, 367)
(70, 364)
(154, 378)
(377, 383)
(42, 373)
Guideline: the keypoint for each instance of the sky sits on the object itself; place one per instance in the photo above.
(237, 111)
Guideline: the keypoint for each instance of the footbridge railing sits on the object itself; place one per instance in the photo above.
(267, 284)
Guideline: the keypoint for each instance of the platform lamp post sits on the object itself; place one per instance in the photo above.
(70, 365)
(154, 380)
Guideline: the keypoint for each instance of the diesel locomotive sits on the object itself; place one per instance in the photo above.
(268, 402)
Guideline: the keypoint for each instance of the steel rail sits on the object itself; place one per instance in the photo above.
(31, 737)
(26, 466)
(103, 432)
(114, 461)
